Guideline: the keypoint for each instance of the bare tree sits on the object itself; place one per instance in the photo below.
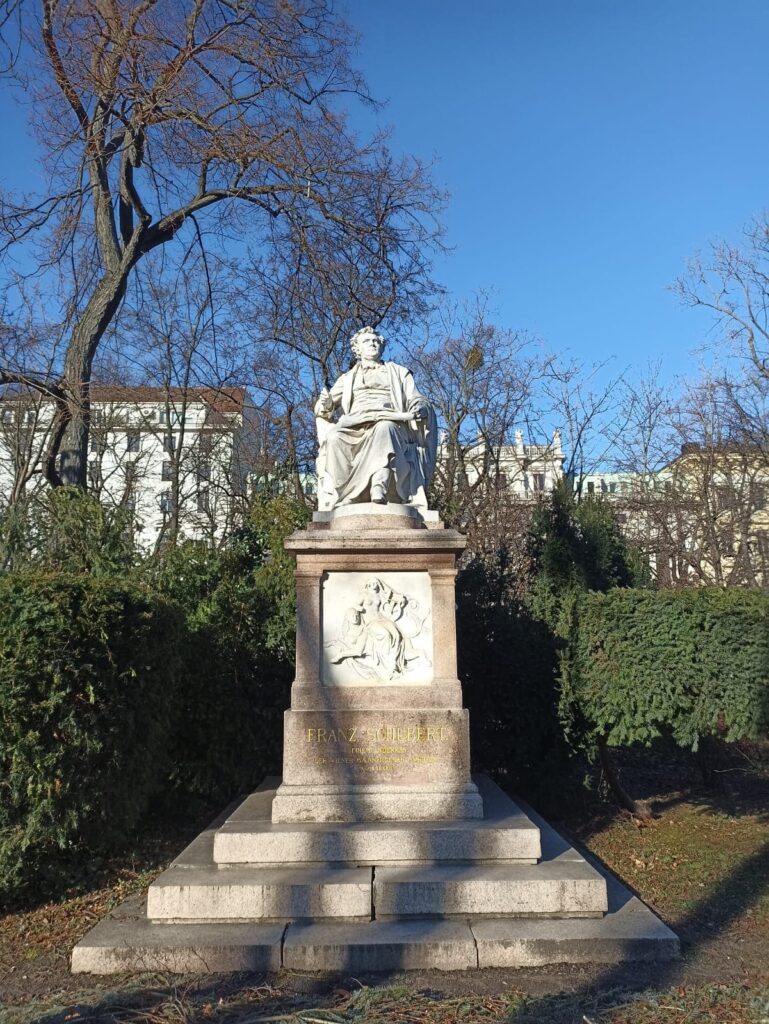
(314, 288)
(698, 484)
(588, 406)
(486, 383)
(150, 115)
(24, 427)
(178, 341)
(733, 283)
(723, 418)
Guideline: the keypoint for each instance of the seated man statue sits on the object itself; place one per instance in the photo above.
(382, 447)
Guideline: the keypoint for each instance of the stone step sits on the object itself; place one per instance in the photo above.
(504, 833)
(562, 887)
(127, 941)
(200, 917)
(210, 893)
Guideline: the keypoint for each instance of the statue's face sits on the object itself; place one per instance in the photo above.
(369, 346)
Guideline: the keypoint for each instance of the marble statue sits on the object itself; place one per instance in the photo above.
(382, 446)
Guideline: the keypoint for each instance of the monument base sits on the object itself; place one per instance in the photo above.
(370, 764)
(375, 803)
(502, 891)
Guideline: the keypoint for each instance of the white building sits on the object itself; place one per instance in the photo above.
(524, 470)
(177, 459)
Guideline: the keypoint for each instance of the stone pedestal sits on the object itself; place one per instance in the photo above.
(502, 891)
(376, 730)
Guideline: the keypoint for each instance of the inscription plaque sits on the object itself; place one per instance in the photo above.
(361, 748)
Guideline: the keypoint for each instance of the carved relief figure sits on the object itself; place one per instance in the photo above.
(377, 634)
(383, 445)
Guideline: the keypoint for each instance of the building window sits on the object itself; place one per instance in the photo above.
(166, 502)
(759, 496)
(8, 416)
(612, 488)
(166, 472)
(204, 445)
(97, 442)
(169, 442)
(170, 417)
(204, 472)
(30, 417)
(133, 441)
(203, 502)
(590, 487)
(762, 543)
(724, 498)
(726, 538)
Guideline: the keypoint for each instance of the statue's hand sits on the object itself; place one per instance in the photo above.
(325, 404)
(420, 410)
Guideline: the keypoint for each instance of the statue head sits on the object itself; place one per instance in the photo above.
(366, 343)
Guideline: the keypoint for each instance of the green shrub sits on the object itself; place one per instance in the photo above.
(507, 665)
(64, 529)
(688, 663)
(239, 605)
(88, 691)
(576, 546)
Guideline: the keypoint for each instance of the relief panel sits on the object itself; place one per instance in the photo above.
(376, 629)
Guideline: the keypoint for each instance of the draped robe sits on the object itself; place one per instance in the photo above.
(361, 446)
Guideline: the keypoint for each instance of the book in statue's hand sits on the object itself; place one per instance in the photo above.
(362, 419)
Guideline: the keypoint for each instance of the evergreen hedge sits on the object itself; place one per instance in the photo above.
(89, 671)
(239, 608)
(507, 662)
(687, 663)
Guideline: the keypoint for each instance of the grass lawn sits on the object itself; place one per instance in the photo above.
(703, 865)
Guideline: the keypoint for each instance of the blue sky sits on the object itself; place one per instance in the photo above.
(589, 147)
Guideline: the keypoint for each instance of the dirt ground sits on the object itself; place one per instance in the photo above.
(702, 865)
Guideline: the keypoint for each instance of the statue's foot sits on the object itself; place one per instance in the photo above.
(379, 494)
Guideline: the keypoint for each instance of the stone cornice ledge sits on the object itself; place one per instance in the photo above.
(311, 541)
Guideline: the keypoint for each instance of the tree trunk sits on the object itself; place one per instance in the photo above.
(293, 457)
(101, 308)
(73, 454)
(623, 798)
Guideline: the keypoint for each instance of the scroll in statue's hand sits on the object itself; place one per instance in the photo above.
(363, 419)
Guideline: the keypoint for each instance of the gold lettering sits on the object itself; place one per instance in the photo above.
(378, 734)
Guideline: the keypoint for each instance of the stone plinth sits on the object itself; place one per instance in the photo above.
(249, 836)
(376, 730)
(345, 899)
